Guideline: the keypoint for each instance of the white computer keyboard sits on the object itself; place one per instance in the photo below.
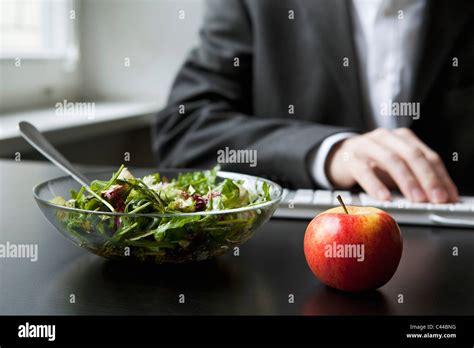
(306, 204)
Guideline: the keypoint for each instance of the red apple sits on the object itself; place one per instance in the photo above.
(355, 251)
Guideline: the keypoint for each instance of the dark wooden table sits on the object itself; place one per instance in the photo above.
(270, 267)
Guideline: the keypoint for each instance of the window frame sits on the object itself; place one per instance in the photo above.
(55, 74)
(69, 49)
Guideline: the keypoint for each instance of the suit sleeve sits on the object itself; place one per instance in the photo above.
(210, 108)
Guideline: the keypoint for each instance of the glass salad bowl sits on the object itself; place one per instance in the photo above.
(161, 218)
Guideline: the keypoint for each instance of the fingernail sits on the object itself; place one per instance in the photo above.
(439, 195)
(383, 194)
(417, 195)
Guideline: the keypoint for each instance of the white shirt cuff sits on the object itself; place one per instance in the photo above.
(318, 158)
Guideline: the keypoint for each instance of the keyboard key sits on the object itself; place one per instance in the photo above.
(322, 197)
(460, 207)
(303, 197)
(440, 207)
(399, 204)
(345, 195)
(466, 199)
(285, 196)
(366, 200)
(421, 206)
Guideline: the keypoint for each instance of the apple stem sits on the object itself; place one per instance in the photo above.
(339, 198)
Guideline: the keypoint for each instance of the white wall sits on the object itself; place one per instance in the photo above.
(35, 83)
(149, 32)
(40, 79)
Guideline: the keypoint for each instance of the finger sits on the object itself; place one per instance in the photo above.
(433, 158)
(439, 166)
(427, 177)
(394, 165)
(365, 176)
(385, 178)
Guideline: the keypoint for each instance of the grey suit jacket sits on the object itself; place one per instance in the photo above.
(285, 63)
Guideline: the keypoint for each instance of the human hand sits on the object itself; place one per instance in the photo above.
(384, 159)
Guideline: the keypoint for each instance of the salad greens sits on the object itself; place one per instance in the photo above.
(178, 238)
